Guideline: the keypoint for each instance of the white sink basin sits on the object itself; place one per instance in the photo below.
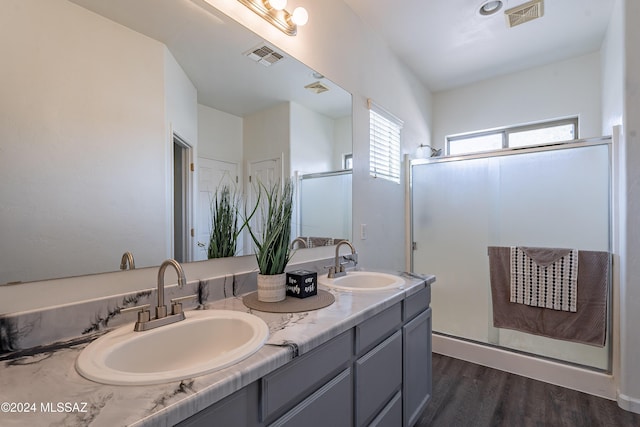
(363, 281)
(204, 342)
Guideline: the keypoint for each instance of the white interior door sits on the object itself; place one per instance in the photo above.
(267, 172)
(212, 174)
(182, 199)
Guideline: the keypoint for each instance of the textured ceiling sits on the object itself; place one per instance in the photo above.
(447, 43)
(209, 46)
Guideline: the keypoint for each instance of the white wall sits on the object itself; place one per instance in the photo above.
(563, 89)
(266, 135)
(629, 385)
(312, 143)
(219, 135)
(359, 61)
(181, 99)
(82, 134)
(343, 137)
(612, 53)
(181, 107)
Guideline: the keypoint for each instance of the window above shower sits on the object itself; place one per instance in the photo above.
(542, 133)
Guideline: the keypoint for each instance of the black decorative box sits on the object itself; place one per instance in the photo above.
(302, 283)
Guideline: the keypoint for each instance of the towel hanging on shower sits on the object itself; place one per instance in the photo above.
(588, 325)
(543, 277)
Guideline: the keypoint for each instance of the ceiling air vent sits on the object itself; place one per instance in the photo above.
(264, 55)
(316, 87)
(524, 13)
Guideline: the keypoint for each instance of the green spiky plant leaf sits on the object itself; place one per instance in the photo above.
(223, 236)
(272, 241)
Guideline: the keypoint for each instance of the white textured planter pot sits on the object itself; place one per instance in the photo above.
(272, 288)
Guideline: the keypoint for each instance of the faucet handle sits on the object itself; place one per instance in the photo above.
(332, 270)
(351, 258)
(176, 303)
(143, 314)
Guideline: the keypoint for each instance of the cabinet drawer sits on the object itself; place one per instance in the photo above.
(331, 406)
(391, 415)
(380, 326)
(417, 303)
(288, 385)
(417, 357)
(378, 377)
(239, 409)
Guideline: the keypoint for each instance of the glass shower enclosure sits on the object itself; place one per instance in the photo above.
(324, 201)
(556, 196)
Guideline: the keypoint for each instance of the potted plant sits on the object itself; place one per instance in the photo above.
(223, 237)
(272, 239)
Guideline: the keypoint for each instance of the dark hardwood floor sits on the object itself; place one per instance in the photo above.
(466, 394)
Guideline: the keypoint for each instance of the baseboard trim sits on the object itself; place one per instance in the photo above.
(572, 377)
(628, 403)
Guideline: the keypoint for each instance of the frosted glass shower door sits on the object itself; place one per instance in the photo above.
(552, 198)
(325, 206)
(452, 203)
(556, 198)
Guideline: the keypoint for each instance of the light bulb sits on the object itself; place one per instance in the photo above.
(278, 4)
(300, 16)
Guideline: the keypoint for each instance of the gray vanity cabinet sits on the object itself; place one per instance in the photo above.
(238, 409)
(375, 374)
(307, 391)
(331, 406)
(315, 389)
(378, 364)
(416, 381)
(378, 379)
(416, 356)
(391, 415)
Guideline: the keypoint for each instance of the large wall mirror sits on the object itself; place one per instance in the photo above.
(105, 106)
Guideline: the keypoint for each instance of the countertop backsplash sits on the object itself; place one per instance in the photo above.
(31, 332)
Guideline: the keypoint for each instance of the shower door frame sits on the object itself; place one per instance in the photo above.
(578, 143)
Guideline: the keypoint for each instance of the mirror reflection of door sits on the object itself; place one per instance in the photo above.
(267, 172)
(213, 175)
(181, 200)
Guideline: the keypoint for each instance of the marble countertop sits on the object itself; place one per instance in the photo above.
(44, 389)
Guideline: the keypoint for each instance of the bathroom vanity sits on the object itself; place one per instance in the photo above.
(364, 360)
(377, 373)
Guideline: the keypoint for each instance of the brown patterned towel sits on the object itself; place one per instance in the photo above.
(587, 325)
(544, 277)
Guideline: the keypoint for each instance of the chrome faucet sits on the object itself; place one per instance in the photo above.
(337, 270)
(161, 309)
(127, 257)
(144, 322)
(300, 240)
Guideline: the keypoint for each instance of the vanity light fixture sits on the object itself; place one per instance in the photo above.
(274, 12)
(278, 4)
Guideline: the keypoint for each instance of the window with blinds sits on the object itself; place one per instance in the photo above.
(384, 144)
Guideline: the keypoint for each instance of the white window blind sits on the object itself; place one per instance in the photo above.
(384, 144)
